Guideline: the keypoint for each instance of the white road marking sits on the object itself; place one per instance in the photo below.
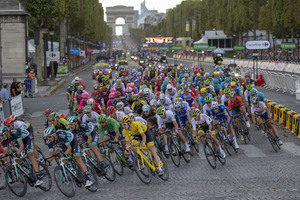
(292, 148)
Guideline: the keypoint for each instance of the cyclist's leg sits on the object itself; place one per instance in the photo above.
(77, 155)
(150, 145)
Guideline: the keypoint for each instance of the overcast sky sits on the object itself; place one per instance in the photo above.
(160, 5)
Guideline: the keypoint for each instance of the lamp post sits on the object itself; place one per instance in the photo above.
(287, 51)
(45, 32)
(298, 36)
(51, 32)
(274, 47)
(261, 37)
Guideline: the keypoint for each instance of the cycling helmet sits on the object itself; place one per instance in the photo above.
(249, 87)
(135, 97)
(90, 101)
(185, 87)
(146, 91)
(129, 90)
(221, 72)
(203, 90)
(214, 104)
(49, 131)
(13, 117)
(198, 74)
(62, 116)
(124, 119)
(255, 100)
(216, 73)
(87, 109)
(207, 99)
(186, 75)
(131, 116)
(169, 86)
(206, 74)
(206, 82)
(85, 95)
(76, 78)
(153, 102)
(146, 108)
(48, 111)
(252, 91)
(232, 94)
(8, 121)
(72, 120)
(162, 96)
(96, 87)
(80, 87)
(141, 94)
(111, 109)
(160, 110)
(177, 104)
(227, 91)
(233, 84)
(80, 80)
(3, 129)
(117, 94)
(215, 81)
(196, 112)
(120, 105)
(169, 74)
(227, 79)
(101, 118)
(226, 85)
(111, 95)
(53, 116)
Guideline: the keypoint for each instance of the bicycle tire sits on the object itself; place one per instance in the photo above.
(165, 176)
(116, 162)
(110, 174)
(95, 186)
(174, 153)
(186, 155)
(272, 139)
(60, 176)
(211, 154)
(45, 173)
(3, 184)
(10, 175)
(228, 143)
(242, 127)
(190, 142)
(41, 156)
(146, 176)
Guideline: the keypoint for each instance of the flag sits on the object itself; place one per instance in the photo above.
(194, 25)
(187, 26)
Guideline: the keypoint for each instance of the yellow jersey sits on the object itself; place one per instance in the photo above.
(137, 127)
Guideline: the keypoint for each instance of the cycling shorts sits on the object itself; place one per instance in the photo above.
(235, 111)
(183, 120)
(263, 116)
(149, 137)
(75, 147)
(28, 144)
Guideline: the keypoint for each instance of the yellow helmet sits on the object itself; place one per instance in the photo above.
(178, 67)
(203, 90)
(216, 73)
(196, 112)
(124, 119)
(132, 83)
(198, 74)
(233, 84)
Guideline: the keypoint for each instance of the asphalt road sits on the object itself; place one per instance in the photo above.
(255, 172)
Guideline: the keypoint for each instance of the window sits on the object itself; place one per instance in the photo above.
(221, 43)
(215, 43)
(228, 43)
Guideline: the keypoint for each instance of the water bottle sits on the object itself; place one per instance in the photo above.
(24, 168)
(71, 168)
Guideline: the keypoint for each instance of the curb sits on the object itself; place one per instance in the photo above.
(54, 88)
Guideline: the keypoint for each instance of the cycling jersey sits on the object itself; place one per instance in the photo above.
(168, 103)
(235, 104)
(84, 130)
(201, 99)
(171, 94)
(260, 110)
(112, 126)
(188, 98)
(222, 112)
(205, 120)
(224, 100)
(137, 127)
(18, 135)
(119, 114)
(140, 119)
(21, 124)
(206, 109)
(170, 118)
(92, 119)
(182, 115)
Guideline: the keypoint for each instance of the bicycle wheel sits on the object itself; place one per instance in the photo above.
(272, 140)
(189, 141)
(3, 184)
(142, 169)
(15, 181)
(95, 186)
(116, 162)
(242, 127)
(227, 142)
(64, 181)
(165, 176)
(209, 154)
(110, 171)
(174, 153)
(46, 177)
(186, 155)
(41, 156)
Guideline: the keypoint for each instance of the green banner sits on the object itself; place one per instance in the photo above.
(238, 48)
(163, 48)
(200, 46)
(62, 69)
(212, 48)
(176, 48)
(288, 45)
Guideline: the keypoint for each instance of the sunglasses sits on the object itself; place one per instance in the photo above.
(161, 114)
(123, 125)
(8, 125)
(50, 136)
(215, 108)
(102, 122)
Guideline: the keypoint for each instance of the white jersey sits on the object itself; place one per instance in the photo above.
(140, 119)
(119, 114)
(121, 86)
(260, 110)
(212, 88)
(170, 117)
(127, 110)
(151, 96)
(168, 103)
(171, 94)
(92, 120)
(206, 109)
(186, 104)
(204, 120)
(20, 124)
(224, 99)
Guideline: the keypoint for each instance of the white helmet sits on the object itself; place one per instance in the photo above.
(177, 104)
(76, 78)
(220, 72)
(206, 74)
(90, 101)
(131, 116)
(169, 86)
(128, 89)
(120, 105)
(214, 104)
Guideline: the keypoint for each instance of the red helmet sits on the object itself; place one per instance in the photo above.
(8, 121)
(152, 80)
(141, 94)
(111, 109)
(117, 94)
(48, 111)
(79, 109)
(247, 76)
(195, 71)
(13, 117)
(62, 116)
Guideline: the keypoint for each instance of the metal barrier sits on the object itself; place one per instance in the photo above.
(30, 87)
(13, 107)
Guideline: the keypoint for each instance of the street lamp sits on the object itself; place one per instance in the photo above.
(45, 32)
(51, 32)
(274, 47)
(298, 36)
(261, 37)
(287, 51)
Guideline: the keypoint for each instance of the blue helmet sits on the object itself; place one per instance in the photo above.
(227, 79)
(181, 76)
(215, 81)
(166, 82)
(185, 87)
(252, 91)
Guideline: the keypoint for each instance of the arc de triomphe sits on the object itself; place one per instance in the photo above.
(127, 13)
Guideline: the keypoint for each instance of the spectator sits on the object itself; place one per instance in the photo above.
(13, 88)
(28, 83)
(55, 66)
(4, 94)
(20, 87)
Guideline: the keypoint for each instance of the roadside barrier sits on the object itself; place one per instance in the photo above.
(30, 87)
(13, 107)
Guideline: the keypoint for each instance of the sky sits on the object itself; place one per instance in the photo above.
(160, 5)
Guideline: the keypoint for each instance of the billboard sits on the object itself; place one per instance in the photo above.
(158, 40)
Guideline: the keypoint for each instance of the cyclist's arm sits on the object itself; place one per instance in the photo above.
(21, 147)
(175, 125)
(89, 140)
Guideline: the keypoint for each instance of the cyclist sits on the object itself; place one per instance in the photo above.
(165, 102)
(47, 113)
(259, 111)
(207, 105)
(204, 94)
(218, 112)
(171, 92)
(68, 143)
(183, 114)
(90, 116)
(137, 105)
(24, 140)
(205, 124)
(110, 125)
(167, 117)
(58, 123)
(143, 133)
(225, 97)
